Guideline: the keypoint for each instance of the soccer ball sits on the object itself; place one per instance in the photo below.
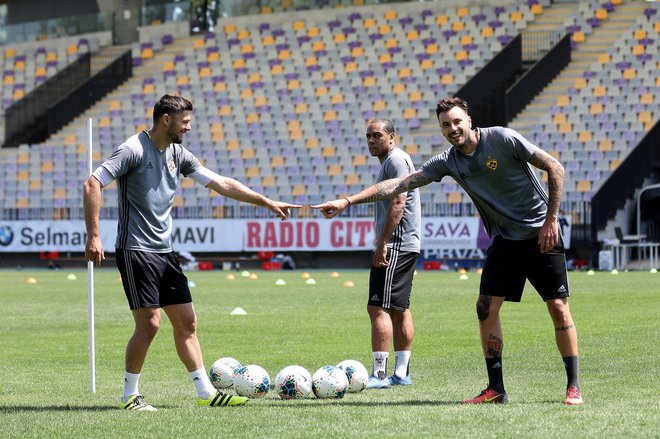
(329, 382)
(222, 372)
(251, 381)
(356, 374)
(293, 382)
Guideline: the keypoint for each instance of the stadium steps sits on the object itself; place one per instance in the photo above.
(548, 22)
(599, 41)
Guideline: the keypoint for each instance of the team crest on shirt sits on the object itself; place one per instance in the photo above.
(492, 164)
(171, 166)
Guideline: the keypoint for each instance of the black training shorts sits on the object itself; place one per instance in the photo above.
(509, 263)
(152, 280)
(390, 287)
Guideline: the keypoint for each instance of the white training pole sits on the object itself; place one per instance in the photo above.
(90, 285)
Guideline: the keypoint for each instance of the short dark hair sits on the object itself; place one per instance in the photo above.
(171, 104)
(449, 103)
(388, 124)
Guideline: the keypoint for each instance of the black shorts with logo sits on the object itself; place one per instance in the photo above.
(509, 263)
(390, 287)
(152, 280)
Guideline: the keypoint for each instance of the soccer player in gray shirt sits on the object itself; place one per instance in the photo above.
(398, 223)
(493, 166)
(148, 167)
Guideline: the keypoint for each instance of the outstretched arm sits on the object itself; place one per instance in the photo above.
(92, 206)
(380, 191)
(231, 188)
(549, 235)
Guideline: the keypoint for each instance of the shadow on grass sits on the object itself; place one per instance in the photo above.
(63, 408)
(322, 402)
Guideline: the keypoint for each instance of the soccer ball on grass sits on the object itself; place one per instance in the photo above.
(329, 382)
(251, 381)
(293, 382)
(356, 374)
(222, 372)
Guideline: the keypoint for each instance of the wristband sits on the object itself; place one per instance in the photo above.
(348, 201)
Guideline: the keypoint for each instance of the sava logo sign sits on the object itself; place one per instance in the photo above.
(450, 233)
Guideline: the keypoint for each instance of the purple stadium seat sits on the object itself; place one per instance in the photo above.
(478, 18)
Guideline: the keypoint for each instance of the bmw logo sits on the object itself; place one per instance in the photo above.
(6, 235)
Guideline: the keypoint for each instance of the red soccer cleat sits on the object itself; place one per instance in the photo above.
(488, 396)
(573, 396)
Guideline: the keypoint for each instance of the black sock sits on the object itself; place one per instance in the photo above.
(572, 366)
(495, 380)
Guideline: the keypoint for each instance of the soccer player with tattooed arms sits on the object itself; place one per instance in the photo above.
(493, 166)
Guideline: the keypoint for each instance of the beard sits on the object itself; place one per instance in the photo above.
(175, 137)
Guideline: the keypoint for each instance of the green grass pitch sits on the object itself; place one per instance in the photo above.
(44, 378)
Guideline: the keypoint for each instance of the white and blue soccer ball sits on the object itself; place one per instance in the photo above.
(329, 382)
(251, 381)
(222, 372)
(356, 374)
(293, 382)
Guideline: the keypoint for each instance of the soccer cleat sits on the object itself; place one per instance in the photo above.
(573, 396)
(398, 381)
(375, 383)
(222, 399)
(136, 402)
(488, 396)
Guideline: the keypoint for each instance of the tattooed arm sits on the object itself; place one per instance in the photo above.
(380, 191)
(549, 235)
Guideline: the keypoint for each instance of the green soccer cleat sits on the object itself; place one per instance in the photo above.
(136, 402)
(222, 399)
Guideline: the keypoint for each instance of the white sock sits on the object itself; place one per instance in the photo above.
(130, 384)
(380, 364)
(402, 360)
(202, 383)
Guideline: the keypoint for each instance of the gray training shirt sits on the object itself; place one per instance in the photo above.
(406, 234)
(500, 181)
(147, 179)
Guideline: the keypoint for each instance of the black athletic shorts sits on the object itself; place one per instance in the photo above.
(390, 287)
(509, 263)
(152, 280)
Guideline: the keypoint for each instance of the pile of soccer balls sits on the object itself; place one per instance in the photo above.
(292, 382)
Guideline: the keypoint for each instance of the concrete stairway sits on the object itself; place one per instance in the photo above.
(599, 41)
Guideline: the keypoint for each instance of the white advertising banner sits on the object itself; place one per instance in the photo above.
(344, 234)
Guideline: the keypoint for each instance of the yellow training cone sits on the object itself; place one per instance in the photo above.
(305, 275)
(479, 271)
(245, 273)
(310, 281)
(462, 271)
(231, 276)
(334, 274)
(238, 312)
(31, 280)
(590, 273)
(348, 283)
(71, 276)
(280, 282)
(253, 276)
(463, 277)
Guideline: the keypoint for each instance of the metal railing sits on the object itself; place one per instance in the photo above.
(56, 28)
